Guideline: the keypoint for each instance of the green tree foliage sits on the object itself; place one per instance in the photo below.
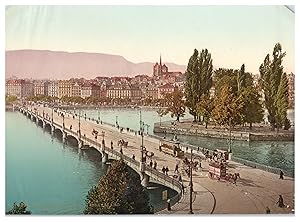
(119, 191)
(204, 108)
(273, 82)
(252, 110)
(241, 79)
(282, 104)
(175, 104)
(10, 99)
(198, 79)
(19, 209)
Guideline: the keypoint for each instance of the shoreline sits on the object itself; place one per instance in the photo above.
(261, 133)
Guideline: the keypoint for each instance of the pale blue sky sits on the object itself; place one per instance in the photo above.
(233, 34)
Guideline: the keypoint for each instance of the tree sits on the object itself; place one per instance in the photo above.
(175, 104)
(227, 109)
(204, 108)
(241, 79)
(198, 79)
(10, 99)
(273, 85)
(19, 209)
(252, 110)
(282, 103)
(119, 191)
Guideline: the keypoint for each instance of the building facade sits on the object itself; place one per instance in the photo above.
(19, 88)
(53, 89)
(167, 88)
(40, 88)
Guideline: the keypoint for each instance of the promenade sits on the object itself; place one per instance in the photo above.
(255, 190)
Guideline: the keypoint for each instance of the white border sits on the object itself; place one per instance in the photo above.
(145, 2)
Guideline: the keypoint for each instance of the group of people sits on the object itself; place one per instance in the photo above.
(165, 170)
(153, 164)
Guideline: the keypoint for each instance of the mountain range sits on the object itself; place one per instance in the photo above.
(46, 64)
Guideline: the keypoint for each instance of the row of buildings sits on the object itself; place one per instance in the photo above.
(135, 88)
(66, 88)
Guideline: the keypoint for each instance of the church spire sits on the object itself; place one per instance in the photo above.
(160, 59)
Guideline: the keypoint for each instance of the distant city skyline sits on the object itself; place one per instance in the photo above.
(233, 34)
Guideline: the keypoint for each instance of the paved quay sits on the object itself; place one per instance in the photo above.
(254, 191)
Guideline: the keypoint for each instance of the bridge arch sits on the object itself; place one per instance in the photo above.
(40, 122)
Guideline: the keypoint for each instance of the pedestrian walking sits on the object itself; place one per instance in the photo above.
(121, 151)
(155, 165)
(280, 202)
(151, 163)
(163, 170)
(268, 211)
(111, 144)
(167, 170)
(176, 169)
(180, 178)
(281, 175)
(182, 187)
(133, 156)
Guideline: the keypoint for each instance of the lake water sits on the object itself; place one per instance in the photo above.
(275, 154)
(51, 178)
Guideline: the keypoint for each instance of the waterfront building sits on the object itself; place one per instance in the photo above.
(76, 89)
(89, 89)
(124, 91)
(53, 89)
(151, 92)
(167, 88)
(40, 88)
(291, 84)
(121, 91)
(19, 88)
(64, 88)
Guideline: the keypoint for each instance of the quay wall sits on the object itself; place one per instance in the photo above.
(235, 135)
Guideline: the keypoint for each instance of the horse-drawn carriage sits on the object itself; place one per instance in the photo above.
(171, 149)
(218, 170)
(122, 143)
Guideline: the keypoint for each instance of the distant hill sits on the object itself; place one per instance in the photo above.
(41, 64)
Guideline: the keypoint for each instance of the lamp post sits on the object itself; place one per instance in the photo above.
(103, 135)
(190, 165)
(98, 115)
(142, 146)
(52, 114)
(79, 123)
(63, 116)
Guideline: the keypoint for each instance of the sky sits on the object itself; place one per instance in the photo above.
(234, 35)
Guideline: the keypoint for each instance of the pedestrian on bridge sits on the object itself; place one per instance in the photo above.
(155, 165)
(167, 170)
(176, 169)
(111, 144)
(121, 151)
(163, 169)
(151, 163)
(133, 156)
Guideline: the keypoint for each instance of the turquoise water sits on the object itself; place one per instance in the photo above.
(51, 178)
(275, 154)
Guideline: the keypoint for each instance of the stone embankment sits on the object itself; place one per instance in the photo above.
(261, 133)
